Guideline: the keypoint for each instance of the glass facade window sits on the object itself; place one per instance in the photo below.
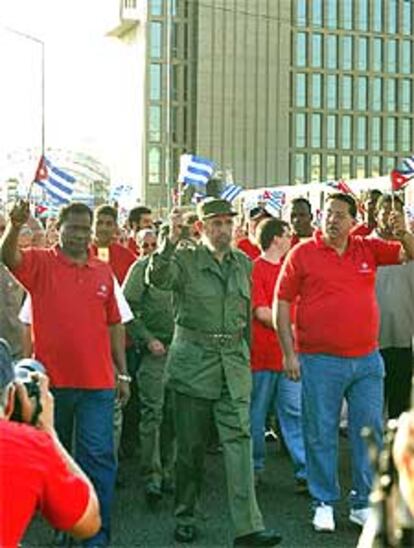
(331, 56)
(376, 20)
(375, 166)
(301, 49)
(361, 133)
(362, 92)
(331, 131)
(316, 90)
(347, 14)
(315, 167)
(388, 163)
(360, 167)
(155, 82)
(317, 8)
(331, 91)
(156, 39)
(346, 132)
(376, 133)
(301, 13)
(376, 63)
(301, 90)
(155, 123)
(405, 95)
(392, 56)
(347, 92)
(390, 134)
(300, 169)
(300, 130)
(346, 167)
(154, 166)
(331, 162)
(316, 130)
(405, 60)
(156, 7)
(376, 99)
(331, 17)
(347, 52)
(362, 20)
(392, 16)
(316, 50)
(362, 62)
(391, 102)
(407, 9)
(405, 143)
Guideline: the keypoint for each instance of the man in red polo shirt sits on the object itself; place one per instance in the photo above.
(76, 336)
(301, 220)
(369, 222)
(272, 390)
(332, 279)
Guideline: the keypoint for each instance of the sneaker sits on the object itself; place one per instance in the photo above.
(359, 516)
(323, 519)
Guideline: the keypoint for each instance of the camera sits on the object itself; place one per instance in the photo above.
(23, 371)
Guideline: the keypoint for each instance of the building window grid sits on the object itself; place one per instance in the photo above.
(375, 48)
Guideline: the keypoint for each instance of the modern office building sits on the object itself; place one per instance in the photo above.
(279, 91)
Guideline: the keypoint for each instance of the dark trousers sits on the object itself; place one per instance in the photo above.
(398, 373)
(130, 426)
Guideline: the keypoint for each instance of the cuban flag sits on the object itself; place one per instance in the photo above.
(403, 174)
(230, 192)
(56, 182)
(340, 186)
(273, 200)
(195, 170)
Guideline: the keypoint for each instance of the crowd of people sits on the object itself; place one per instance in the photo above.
(200, 329)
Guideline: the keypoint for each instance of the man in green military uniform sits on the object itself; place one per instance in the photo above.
(152, 330)
(208, 366)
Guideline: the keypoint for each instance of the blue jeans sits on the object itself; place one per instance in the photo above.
(272, 390)
(326, 380)
(89, 413)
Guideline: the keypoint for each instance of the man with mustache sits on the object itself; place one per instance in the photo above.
(334, 349)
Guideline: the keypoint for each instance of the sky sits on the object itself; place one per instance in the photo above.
(85, 103)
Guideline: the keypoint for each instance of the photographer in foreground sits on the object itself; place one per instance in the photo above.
(36, 472)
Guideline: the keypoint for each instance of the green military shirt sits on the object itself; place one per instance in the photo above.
(209, 298)
(151, 307)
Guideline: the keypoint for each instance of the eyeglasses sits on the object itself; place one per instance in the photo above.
(145, 245)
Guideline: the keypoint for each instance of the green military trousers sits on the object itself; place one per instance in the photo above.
(157, 435)
(192, 420)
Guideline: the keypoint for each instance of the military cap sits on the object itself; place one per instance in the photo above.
(211, 207)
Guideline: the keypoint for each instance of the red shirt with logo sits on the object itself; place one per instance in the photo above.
(73, 307)
(33, 476)
(336, 308)
(266, 353)
(249, 248)
(119, 257)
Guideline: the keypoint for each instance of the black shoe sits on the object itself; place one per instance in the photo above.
(153, 493)
(185, 533)
(60, 538)
(301, 486)
(268, 537)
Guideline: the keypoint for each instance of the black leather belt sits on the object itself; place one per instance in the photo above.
(205, 338)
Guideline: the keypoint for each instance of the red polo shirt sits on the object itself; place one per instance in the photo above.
(336, 310)
(73, 306)
(249, 248)
(265, 352)
(362, 230)
(120, 259)
(34, 476)
(132, 246)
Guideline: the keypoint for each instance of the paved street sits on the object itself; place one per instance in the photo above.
(135, 525)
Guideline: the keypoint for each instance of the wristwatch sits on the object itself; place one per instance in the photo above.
(124, 378)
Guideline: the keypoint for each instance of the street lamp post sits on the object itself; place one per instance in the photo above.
(42, 45)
